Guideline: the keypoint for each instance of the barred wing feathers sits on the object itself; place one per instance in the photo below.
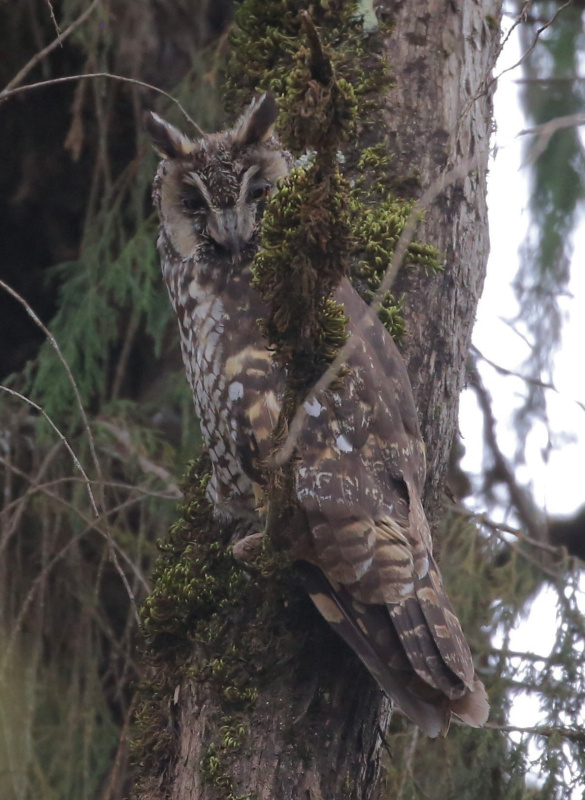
(359, 482)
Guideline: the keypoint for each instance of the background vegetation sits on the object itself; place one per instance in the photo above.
(78, 234)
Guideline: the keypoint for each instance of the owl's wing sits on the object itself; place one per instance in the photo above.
(359, 481)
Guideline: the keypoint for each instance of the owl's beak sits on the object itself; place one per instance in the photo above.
(224, 229)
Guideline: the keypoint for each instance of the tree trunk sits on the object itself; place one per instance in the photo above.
(316, 729)
(440, 118)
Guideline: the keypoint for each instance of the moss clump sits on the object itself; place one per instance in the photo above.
(304, 255)
(266, 56)
(327, 95)
(187, 622)
(376, 230)
(265, 49)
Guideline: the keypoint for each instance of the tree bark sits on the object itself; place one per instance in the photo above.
(316, 730)
(439, 116)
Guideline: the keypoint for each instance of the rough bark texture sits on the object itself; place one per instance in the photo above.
(439, 117)
(303, 740)
(318, 737)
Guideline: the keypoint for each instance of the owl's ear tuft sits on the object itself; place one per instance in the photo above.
(258, 120)
(168, 141)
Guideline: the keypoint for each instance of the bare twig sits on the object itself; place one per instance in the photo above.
(38, 581)
(520, 498)
(500, 527)
(12, 512)
(19, 77)
(533, 381)
(488, 83)
(573, 734)
(67, 368)
(60, 435)
(129, 337)
(122, 745)
(6, 93)
(54, 21)
(407, 766)
(171, 493)
(146, 465)
(545, 132)
(534, 42)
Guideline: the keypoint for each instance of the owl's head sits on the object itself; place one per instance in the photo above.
(211, 191)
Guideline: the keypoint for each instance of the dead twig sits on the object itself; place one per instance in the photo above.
(572, 734)
(520, 498)
(7, 92)
(488, 83)
(60, 435)
(9, 89)
(85, 421)
(54, 20)
(545, 132)
(533, 381)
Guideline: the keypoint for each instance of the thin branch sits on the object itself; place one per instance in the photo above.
(129, 337)
(120, 750)
(572, 734)
(545, 132)
(6, 93)
(555, 79)
(146, 465)
(61, 436)
(54, 21)
(500, 527)
(537, 36)
(19, 77)
(93, 525)
(172, 493)
(67, 368)
(518, 495)
(533, 381)
(487, 84)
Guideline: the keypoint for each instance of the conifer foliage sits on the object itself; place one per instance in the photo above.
(96, 420)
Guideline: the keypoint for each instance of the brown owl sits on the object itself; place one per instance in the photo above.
(364, 545)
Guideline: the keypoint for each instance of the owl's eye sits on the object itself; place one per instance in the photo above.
(193, 201)
(257, 190)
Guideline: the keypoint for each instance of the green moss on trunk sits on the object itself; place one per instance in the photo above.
(336, 217)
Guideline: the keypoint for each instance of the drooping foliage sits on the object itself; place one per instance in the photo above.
(69, 581)
(551, 87)
(78, 243)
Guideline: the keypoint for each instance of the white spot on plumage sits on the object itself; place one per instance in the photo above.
(343, 444)
(313, 407)
(236, 390)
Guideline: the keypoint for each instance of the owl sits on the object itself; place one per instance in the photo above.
(361, 539)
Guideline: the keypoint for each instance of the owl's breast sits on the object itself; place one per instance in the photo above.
(228, 368)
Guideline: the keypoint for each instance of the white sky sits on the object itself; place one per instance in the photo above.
(559, 485)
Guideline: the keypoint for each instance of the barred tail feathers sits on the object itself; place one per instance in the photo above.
(369, 633)
(437, 649)
(398, 646)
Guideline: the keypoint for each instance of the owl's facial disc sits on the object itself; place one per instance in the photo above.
(233, 224)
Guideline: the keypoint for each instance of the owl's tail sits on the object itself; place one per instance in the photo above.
(400, 652)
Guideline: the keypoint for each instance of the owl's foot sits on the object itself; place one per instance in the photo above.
(248, 549)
